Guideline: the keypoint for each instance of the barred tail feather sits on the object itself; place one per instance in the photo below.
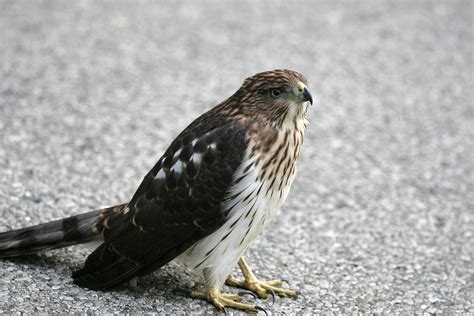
(56, 234)
(60, 233)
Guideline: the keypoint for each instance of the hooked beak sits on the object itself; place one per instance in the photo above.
(303, 93)
(307, 96)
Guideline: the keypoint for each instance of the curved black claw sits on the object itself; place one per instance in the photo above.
(244, 292)
(258, 308)
(301, 294)
(272, 293)
(224, 310)
(285, 281)
(183, 291)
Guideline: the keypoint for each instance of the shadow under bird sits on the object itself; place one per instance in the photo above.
(208, 197)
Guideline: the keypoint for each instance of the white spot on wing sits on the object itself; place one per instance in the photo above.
(177, 167)
(176, 154)
(161, 175)
(196, 158)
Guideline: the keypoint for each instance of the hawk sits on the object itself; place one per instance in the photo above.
(215, 188)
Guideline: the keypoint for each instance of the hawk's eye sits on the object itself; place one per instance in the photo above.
(275, 93)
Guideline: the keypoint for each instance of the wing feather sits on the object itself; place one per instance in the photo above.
(178, 203)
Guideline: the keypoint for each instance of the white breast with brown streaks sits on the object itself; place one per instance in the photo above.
(262, 184)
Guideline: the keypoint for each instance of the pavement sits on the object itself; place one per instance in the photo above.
(380, 217)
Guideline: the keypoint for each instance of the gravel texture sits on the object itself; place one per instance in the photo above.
(380, 218)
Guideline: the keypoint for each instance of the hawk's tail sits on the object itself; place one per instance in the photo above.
(65, 232)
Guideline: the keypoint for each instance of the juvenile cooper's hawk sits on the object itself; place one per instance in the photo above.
(208, 197)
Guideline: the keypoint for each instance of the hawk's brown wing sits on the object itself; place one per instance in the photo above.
(178, 203)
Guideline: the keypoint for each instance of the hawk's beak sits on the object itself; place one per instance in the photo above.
(303, 93)
(307, 96)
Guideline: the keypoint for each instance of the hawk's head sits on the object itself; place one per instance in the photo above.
(273, 97)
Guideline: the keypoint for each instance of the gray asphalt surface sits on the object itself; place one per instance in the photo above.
(380, 218)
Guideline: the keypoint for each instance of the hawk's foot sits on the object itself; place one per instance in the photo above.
(261, 288)
(222, 300)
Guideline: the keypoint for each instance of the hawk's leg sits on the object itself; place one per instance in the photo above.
(261, 288)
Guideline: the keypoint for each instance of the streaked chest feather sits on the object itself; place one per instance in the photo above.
(262, 183)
